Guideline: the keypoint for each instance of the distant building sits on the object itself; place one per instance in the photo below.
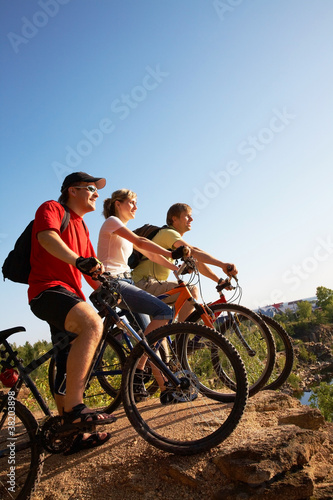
(282, 307)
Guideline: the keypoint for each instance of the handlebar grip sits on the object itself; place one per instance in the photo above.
(229, 269)
(181, 268)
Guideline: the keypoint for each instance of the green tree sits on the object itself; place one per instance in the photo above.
(324, 297)
(322, 398)
(304, 309)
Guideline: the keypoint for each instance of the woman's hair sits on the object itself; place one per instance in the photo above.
(119, 195)
(175, 211)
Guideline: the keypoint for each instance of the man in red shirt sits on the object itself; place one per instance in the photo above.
(55, 294)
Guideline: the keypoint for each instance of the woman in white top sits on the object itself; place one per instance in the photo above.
(115, 245)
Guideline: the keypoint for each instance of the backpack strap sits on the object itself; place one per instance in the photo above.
(66, 219)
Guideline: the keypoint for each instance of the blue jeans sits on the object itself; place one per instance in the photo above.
(142, 304)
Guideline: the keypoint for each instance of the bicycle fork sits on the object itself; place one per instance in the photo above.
(153, 357)
(235, 322)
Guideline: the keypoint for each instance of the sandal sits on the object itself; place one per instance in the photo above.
(80, 444)
(89, 418)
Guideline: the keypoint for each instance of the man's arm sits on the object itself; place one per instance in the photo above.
(144, 245)
(205, 258)
(159, 259)
(54, 245)
(207, 271)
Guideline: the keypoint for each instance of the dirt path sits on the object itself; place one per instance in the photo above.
(127, 467)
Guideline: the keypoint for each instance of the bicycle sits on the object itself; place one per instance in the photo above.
(285, 354)
(205, 412)
(245, 329)
(244, 333)
(284, 350)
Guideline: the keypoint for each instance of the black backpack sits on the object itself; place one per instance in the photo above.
(17, 267)
(147, 231)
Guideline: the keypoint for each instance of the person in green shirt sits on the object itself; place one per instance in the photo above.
(153, 277)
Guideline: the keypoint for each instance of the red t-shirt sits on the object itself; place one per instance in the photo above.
(48, 271)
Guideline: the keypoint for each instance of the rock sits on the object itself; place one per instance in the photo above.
(179, 475)
(298, 486)
(289, 459)
(271, 453)
(304, 417)
(271, 401)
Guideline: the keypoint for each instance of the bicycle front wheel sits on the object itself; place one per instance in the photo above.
(203, 410)
(284, 354)
(251, 337)
(21, 454)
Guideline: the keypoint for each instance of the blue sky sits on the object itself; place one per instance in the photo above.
(224, 105)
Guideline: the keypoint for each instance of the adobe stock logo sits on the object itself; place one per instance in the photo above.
(249, 148)
(30, 27)
(223, 7)
(297, 273)
(302, 271)
(121, 109)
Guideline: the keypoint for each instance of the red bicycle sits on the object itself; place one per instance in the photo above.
(263, 344)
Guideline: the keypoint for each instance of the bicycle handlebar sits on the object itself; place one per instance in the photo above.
(187, 266)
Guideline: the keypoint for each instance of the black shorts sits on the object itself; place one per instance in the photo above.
(52, 306)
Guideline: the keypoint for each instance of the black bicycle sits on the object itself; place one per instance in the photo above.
(203, 411)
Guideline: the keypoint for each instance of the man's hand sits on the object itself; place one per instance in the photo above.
(222, 285)
(89, 266)
(229, 269)
(181, 252)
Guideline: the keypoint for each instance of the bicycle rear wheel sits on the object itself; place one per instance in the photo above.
(103, 389)
(21, 454)
(250, 336)
(204, 410)
(284, 354)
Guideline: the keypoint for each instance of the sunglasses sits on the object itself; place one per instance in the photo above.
(91, 189)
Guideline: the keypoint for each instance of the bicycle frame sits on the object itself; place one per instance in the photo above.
(24, 372)
(205, 313)
(126, 327)
(185, 295)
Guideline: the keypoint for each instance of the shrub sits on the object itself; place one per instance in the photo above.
(322, 398)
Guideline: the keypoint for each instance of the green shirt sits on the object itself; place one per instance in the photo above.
(166, 238)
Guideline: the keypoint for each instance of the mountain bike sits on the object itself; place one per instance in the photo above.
(284, 354)
(284, 351)
(204, 408)
(246, 330)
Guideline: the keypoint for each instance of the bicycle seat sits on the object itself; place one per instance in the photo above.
(4, 334)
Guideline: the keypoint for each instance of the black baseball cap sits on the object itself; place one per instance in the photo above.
(82, 177)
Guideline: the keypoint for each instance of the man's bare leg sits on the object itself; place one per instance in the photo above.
(87, 324)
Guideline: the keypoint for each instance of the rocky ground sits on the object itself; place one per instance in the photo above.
(281, 449)
(318, 342)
